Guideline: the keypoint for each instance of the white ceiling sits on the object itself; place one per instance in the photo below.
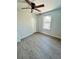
(49, 4)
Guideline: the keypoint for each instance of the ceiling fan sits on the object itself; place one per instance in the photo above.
(33, 6)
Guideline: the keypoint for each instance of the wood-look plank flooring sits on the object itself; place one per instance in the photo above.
(39, 46)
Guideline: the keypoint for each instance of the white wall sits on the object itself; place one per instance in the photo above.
(55, 24)
(26, 24)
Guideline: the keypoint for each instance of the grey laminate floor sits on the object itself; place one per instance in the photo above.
(39, 46)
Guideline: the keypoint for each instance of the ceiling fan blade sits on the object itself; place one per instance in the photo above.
(38, 10)
(26, 8)
(42, 5)
(28, 2)
(23, 8)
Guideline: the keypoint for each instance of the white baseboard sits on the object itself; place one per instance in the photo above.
(51, 35)
(33, 33)
(19, 40)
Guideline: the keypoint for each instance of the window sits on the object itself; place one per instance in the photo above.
(47, 22)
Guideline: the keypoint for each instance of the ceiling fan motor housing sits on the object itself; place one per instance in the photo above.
(33, 5)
